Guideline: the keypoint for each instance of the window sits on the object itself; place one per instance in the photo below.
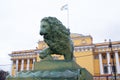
(14, 62)
(31, 61)
(104, 56)
(105, 69)
(112, 56)
(84, 41)
(25, 61)
(113, 69)
(96, 56)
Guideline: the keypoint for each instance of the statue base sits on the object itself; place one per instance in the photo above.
(54, 70)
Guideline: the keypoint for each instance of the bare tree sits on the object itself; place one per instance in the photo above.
(3, 74)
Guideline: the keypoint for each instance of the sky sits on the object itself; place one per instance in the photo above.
(20, 22)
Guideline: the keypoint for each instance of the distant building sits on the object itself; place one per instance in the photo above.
(96, 58)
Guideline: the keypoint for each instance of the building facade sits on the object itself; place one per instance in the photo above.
(97, 58)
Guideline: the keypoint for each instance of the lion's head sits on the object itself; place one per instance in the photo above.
(51, 24)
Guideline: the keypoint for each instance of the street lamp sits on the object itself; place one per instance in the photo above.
(112, 56)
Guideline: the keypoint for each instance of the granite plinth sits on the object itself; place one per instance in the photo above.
(54, 70)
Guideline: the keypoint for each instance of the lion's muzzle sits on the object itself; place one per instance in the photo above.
(41, 33)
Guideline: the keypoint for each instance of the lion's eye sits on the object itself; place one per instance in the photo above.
(43, 26)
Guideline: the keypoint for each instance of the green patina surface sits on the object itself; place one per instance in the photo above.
(56, 65)
(36, 78)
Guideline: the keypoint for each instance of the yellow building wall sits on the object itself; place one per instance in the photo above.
(31, 64)
(42, 45)
(82, 41)
(85, 60)
(96, 67)
(13, 70)
(38, 58)
(25, 64)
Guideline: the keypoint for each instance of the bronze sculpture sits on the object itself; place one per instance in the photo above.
(57, 38)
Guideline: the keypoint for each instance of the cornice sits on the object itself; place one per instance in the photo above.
(115, 47)
(25, 54)
(84, 48)
(107, 43)
(25, 51)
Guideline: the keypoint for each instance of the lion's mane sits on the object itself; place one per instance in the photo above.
(54, 22)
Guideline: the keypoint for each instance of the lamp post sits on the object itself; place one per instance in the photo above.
(112, 55)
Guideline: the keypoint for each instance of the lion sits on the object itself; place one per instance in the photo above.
(57, 37)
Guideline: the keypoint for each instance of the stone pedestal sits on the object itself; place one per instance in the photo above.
(51, 65)
(54, 70)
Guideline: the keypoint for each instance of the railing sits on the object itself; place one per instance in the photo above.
(105, 78)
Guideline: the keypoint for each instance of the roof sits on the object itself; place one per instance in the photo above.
(107, 43)
(76, 35)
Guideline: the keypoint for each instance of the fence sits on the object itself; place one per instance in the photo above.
(72, 78)
(106, 78)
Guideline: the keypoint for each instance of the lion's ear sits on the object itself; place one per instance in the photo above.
(68, 31)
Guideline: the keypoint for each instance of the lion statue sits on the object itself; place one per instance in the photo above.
(57, 38)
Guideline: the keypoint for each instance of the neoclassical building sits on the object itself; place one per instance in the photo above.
(97, 58)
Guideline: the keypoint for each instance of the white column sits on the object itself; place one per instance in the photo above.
(101, 64)
(28, 63)
(117, 62)
(33, 63)
(17, 65)
(108, 63)
(22, 65)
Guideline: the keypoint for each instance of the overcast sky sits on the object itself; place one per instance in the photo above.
(20, 21)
